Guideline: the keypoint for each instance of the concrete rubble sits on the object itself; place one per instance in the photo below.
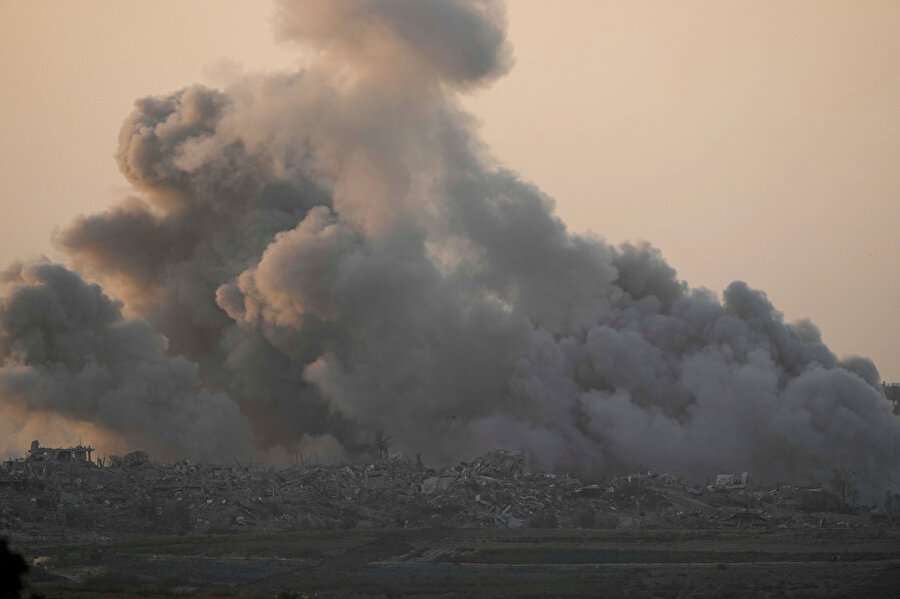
(134, 494)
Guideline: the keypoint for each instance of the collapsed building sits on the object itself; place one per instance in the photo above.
(737, 481)
(134, 494)
(77, 453)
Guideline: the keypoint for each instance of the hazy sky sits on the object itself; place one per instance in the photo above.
(754, 140)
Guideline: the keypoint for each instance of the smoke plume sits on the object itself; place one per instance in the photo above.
(66, 349)
(314, 256)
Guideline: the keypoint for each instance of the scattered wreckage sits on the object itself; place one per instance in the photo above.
(134, 494)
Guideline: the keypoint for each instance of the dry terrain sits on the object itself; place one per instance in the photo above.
(494, 562)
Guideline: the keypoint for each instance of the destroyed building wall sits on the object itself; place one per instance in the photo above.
(76, 453)
(732, 480)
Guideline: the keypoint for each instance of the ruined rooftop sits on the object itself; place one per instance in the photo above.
(76, 453)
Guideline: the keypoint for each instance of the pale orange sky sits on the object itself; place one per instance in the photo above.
(747, 140)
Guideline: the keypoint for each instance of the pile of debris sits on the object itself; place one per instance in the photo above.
(134, 494)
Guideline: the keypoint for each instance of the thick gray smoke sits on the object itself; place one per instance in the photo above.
(65, 348)
(333, 253)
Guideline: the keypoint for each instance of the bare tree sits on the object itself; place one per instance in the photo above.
(382, 444)
(843, 483)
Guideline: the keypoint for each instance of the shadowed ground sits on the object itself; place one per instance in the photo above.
(477, 563)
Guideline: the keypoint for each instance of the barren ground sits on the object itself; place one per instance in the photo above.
(450, 563)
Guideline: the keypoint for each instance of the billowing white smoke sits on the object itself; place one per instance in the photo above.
(331, 253)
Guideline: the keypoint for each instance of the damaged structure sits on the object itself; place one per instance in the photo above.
(134, 494)
(737, 481)
(892, 393)
(77, 453)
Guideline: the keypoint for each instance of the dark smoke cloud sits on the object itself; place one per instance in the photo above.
(65, 348)
(332, 252)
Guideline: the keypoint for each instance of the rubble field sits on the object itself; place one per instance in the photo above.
(135, 495)
(397, 528)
